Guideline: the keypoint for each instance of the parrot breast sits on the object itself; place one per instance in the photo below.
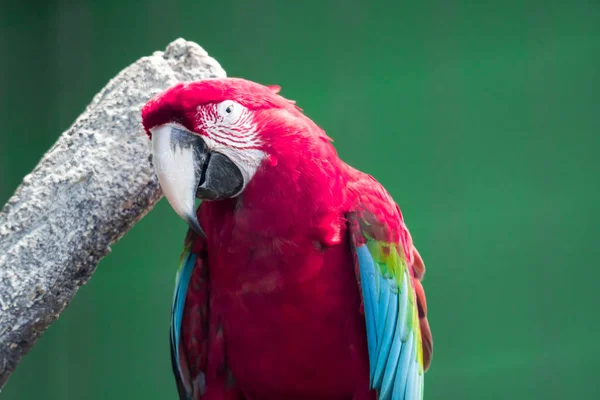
(290, 312)
(283, 285)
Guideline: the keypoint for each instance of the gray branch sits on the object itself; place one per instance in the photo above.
(87, 191)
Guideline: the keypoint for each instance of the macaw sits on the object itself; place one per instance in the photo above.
(299, 278)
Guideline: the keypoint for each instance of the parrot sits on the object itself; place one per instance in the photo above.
(299, 278)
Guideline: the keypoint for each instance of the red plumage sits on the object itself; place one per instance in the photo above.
(273, 310)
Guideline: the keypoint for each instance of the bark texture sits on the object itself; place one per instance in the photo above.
(87, 191)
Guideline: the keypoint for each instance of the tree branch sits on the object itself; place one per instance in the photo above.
(87, 191)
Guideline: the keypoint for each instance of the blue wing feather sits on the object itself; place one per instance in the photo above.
(182, 281)
(367, 277)
(386, 344)
(390, 372)
(403, 370)
(393, 336)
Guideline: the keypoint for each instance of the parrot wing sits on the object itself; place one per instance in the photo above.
(189, 320)
(388, 269)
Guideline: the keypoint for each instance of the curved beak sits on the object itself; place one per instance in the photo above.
(187, 169)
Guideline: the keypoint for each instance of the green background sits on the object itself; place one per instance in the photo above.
(482, 120)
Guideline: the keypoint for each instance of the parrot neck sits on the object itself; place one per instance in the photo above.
(295, 187)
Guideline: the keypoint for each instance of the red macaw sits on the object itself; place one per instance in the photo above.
(299, 278)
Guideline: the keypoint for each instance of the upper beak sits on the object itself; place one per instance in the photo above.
(186, 168)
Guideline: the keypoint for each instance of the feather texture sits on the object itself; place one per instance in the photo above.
(282, 317)
(182, 280)
(392, 319)
(189, 320)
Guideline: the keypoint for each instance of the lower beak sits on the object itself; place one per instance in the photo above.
(187, 169)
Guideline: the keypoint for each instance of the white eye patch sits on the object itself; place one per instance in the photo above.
(229, 128)
(230, 111)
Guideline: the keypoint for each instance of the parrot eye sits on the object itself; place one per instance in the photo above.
(230, 111)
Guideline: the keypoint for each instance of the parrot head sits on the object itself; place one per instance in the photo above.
(210, 137)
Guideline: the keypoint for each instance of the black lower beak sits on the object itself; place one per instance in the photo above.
(187, 169)
(220, 178)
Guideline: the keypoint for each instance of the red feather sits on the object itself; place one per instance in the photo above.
(284, 310)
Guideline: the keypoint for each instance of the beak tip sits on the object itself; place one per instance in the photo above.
(192, 221)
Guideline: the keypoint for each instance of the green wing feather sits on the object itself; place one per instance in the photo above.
(392, 319)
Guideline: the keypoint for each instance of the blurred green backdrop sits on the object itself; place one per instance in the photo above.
(482, 120)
